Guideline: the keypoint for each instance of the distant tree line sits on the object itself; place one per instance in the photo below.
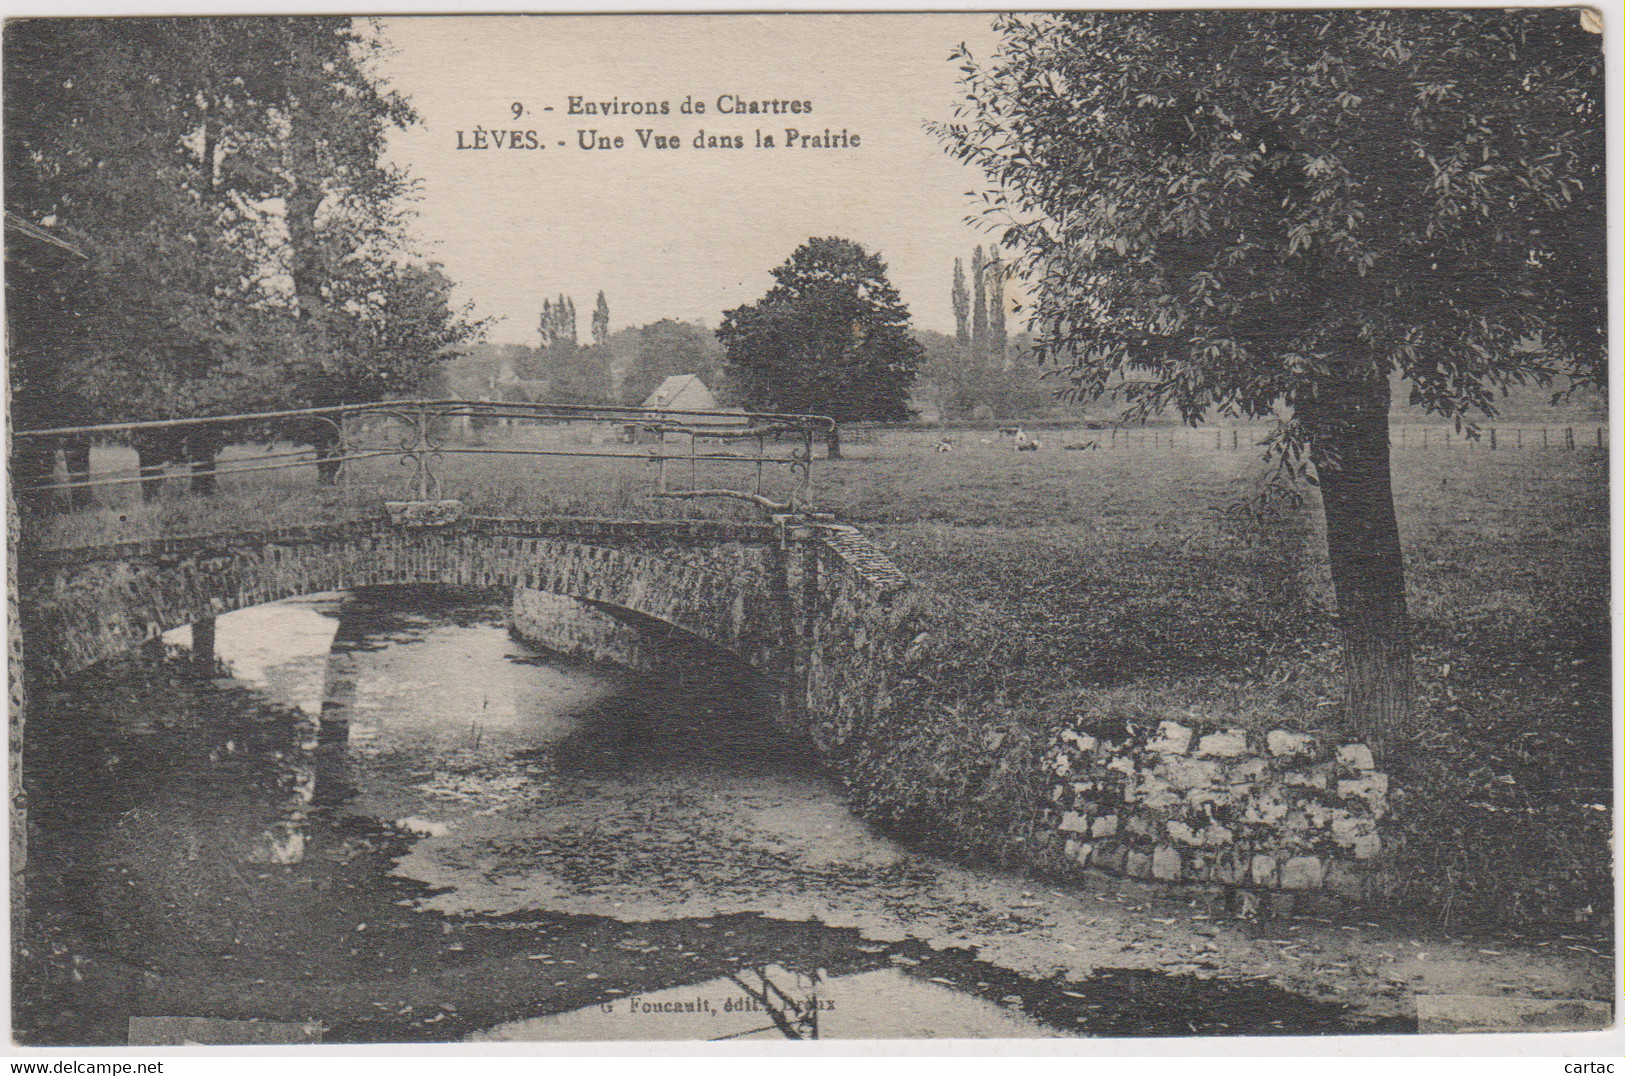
(622, 367)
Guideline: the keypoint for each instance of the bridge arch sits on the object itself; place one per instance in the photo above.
(815, 608)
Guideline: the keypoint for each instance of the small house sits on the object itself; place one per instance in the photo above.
(686, 392)
(682, 392)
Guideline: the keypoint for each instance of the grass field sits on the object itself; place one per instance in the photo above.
(1138, 585)
(1147, 580)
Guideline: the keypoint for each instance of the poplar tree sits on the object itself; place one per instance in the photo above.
(600, 322)
(998, 336)
(961, 304)
(978, 331)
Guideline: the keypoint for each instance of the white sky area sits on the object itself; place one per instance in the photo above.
(685, 233)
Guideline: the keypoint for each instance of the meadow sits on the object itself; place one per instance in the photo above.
(1161, 575)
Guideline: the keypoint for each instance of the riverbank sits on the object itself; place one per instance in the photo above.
(1146, 582)
(1161, 598)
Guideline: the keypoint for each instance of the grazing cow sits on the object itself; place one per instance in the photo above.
(945, 445)
(1032, 444)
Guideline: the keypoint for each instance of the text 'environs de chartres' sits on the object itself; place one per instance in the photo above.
(726, 104)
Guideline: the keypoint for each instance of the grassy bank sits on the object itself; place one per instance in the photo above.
(1137, 587)
(1142, 581)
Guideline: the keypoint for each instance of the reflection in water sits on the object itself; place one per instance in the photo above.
(391, 817)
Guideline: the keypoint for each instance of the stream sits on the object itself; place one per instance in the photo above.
(379, 818)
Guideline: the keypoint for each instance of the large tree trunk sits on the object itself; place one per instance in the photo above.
(1349, 427)
(302, 201)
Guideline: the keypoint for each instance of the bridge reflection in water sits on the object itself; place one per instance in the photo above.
(503, 846)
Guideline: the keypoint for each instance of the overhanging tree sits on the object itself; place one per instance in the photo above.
(830, 337)
(107, 136)
(369, 316)
(1256, 213)
(226, 175)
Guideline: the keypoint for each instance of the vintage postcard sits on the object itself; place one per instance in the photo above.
(714, 527)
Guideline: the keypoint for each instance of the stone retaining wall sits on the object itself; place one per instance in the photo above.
(1282, 811)
(830, 623)
(576, 629)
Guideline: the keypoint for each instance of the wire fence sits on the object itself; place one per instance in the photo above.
(1253, 438)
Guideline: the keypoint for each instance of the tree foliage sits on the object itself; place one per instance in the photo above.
(967, 386)
(978, 316)
(998, 334)
(975, 371)
(830, 337)
(600, 321)
(576, 374)
(248, 247)
(961, 302)
(668, 348)
(1229, 209)
(1274, 212)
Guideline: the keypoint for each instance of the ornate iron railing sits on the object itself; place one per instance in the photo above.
(422, 434)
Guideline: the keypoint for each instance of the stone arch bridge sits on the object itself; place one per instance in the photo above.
(814, 607)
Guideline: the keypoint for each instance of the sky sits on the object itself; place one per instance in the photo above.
(689, 232)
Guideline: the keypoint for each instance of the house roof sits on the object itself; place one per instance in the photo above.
(685, 388)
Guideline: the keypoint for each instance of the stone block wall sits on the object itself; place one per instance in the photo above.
(1277, 811)
(572, 627)
(857, 619)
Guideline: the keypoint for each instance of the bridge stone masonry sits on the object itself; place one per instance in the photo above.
(814, 607)
(836, 632)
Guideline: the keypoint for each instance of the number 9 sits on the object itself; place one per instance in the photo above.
(518, 109)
